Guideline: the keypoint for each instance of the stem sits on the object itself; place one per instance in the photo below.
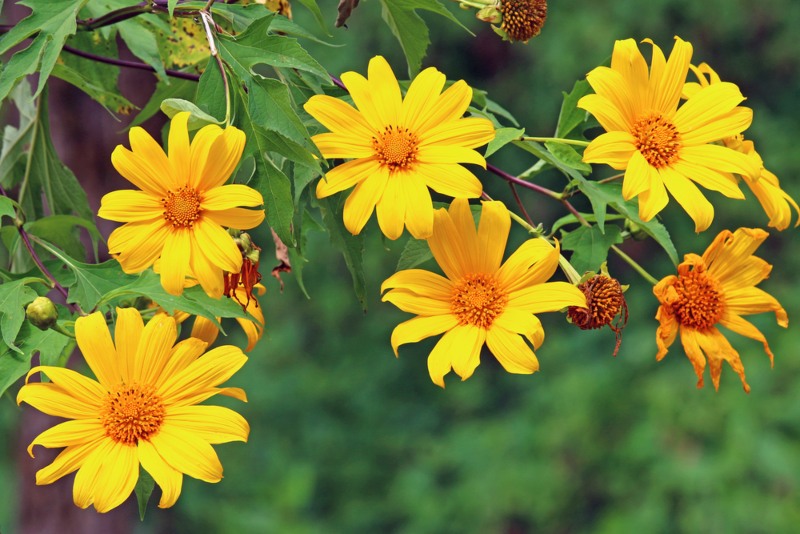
(208, 21)
(523, 183)
(112, 17)
(130, 64)
(556, 140)
(18, 222)
(636, 267)
(338, 83)
(611, 178)
(57, 253)
(519, 203)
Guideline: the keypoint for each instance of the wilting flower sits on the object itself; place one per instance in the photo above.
(399, 147)
(660, 146)
(716, 289)
(206, 330)
(179, 214)
(480, 301)
(522, 19)
(141, 410)
(605, 306)
(766, 186)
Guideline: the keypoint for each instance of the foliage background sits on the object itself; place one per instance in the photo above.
(345, 438)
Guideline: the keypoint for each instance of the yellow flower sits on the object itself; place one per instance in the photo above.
(480, 301)
(141, 410)
(716, 289)
(207, 331)
(766, 186)
(662, 147)
(399, 147)
(179, 214)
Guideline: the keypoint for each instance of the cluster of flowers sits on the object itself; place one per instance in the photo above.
(143, 408)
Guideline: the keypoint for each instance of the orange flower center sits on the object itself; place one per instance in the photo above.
(699, 303)
(477, 299)
(657, 139)
(182, 207)
(396, 147)
(132, 412)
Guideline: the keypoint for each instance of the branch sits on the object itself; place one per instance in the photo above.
(130, 64)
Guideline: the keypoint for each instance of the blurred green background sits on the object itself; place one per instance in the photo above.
(346, 438)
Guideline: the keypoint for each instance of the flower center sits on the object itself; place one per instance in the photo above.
(132, 412)
(477, 300)
(657, 139)
(699, 304)
(523, 19)
(182, 207)
(396, 147)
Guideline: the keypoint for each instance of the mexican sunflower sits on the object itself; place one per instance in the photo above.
(181, 208)
(479, 300)
(766, 187)
(399, 147)
(142, 409)
(663, 147)
(716, 289)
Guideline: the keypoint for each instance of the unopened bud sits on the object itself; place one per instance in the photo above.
(490, 14)
(42, 313)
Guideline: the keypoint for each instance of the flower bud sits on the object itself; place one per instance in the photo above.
(42, 313)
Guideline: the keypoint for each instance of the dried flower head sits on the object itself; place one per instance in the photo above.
(523, 19)
(605, 306)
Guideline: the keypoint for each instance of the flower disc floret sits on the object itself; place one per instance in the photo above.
(132, 412)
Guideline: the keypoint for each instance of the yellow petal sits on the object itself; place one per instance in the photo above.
(612, 112)
(709, 104)
(154, 349)
(724, 183)
(180, 357)
(668, 325)
(98, 350)
(751, 300)
(420, 282)
(170, 480)
(138, 170)
(130, 206)
(493, 230)
(629, 62)
(175, 260)
(69, 433)
(217, 245)
(212, 165)
(451, 179)
(689, 197)
(520, 322)
(239, 218)
(450, 105)
(83, 490)
(208, 274)
(385, 90)
(639, 176)
(68, 460)
(230, 196)
(613, 148)
(359, 205)
(205, 330)
(343, 145)
(339, 116)
(728, 125)
(187, 453)
(667, 82)
(127, 335)
(534, 262)
(447, 246)
(653, 200)
(511, 351)
(179, 148)
(422, 94)
(416, 304)
(443, 154)
(391, 208)
(464, 225)
(419, 328)
(213, 424)
(347, 175)
(776, 202)
(471, 132)
(80, 387)
(746, 328)
(137, 245)
(465, 348)
(115, 478)
(721, 158)
(210, 370)
(552, 296)
(151, 159)
(52, 400)
(419, 206)
(252, 329)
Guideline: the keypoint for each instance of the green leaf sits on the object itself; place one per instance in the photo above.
(111, 100)
(47, 176)
(568, 156)
(571, 116)
(14, 296)
(141, 41)
(210, 92)
(49, 344)
(61, 230)
(257, 47)
(49, 25)
(590, 246)
(409, 28)
(15, 140)
(8, 207)
(193, 301)
(416, 252)
(198, 118)
(176, 88)
(144, 489)
(503, 136)
(351, 246)
(170, 8)
(312, 6)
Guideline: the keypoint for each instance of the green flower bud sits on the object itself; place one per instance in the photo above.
(42, 313)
